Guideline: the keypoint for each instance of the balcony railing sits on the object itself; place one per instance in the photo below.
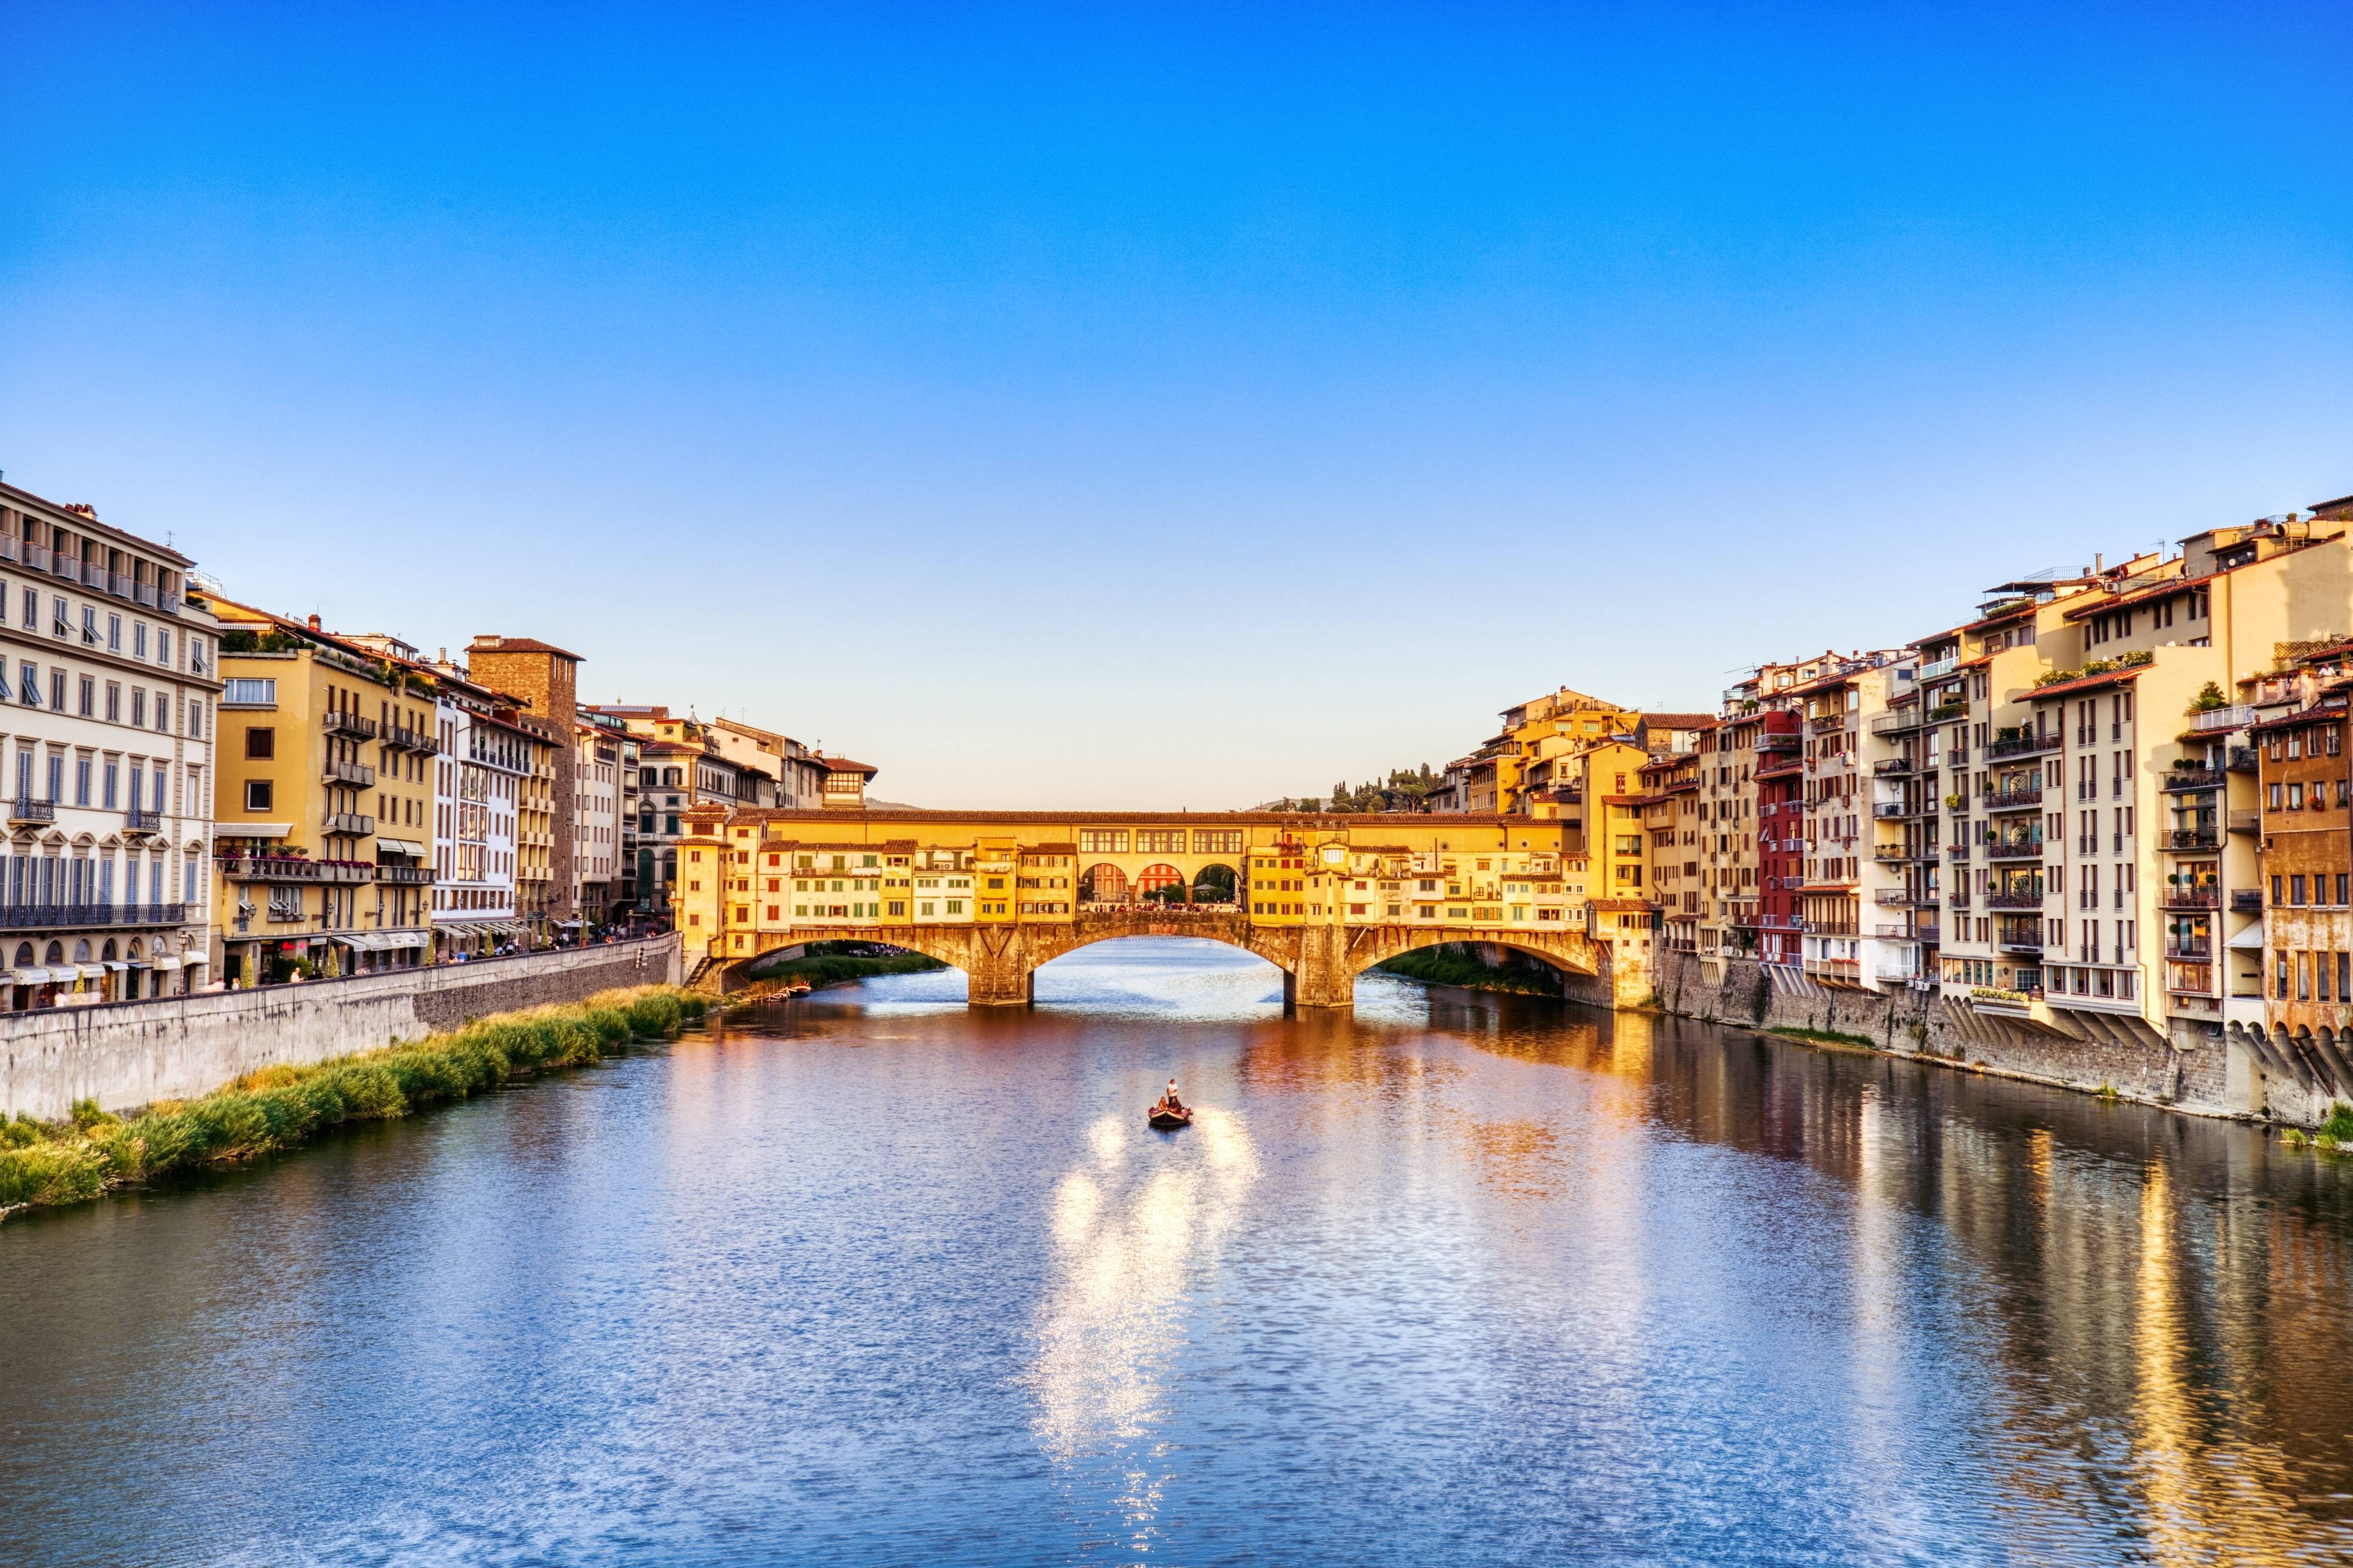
(1894, 767)
(52, 916)
(28, 810)
(2019, 941)
(2205, 898)
(2014, 849)
(405, 876)
(402, 736)
(1956, 852)
(2238, 716)
(2024, 745)
(339, 722)
(1902, 721)
(2196, 950)
(1826, 724)
(2032, 900)
(293, 869)
(2024, 799)
(1886, 809)
(2191, 839)
(357, 825)
(1890, 854)
(358, 774)
(2246, 900)
(1945, 714)
(2240, 760)
(1893, 898)
(2192, 778)
(140, 820)
(2245, 822)
(1939, 667)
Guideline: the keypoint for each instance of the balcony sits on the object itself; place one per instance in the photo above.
(26, 810)
(1826, 724)
(2030, 900)
(358, 774)
(2238, 716)
(293, 869)
(352, 824)
(2014, 849)
(1778, 741)
(2246, 900)
(338, 722)
(2245, 822)
(1894, 767)
(405, 875)
(1890, 854)
(66, 566)
(1903, 721)
(1946, 714)
(54, 917)
(2189, 838)
(2022, 799)
(2179, 779)
(137, 820)
(1956, 852)
(1935, 667)
(1887, 810)
(2201, 950)
(409, 739)
(2019, 942)
(2024, 745)
(1893, 898)
(2240, 760)
(2208, 897)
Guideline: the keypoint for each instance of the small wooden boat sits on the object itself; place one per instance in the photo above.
(1166, 1121)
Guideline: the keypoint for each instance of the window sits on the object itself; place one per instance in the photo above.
(139, 708)
(250, 693)
(57, 688)
(114, 702)
(115, 634)
(257, 795)
(1103, 841)
(81, 780)
(88, 693)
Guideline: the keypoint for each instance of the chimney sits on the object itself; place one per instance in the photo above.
(314, 622)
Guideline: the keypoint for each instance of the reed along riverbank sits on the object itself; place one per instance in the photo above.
(45, 1164)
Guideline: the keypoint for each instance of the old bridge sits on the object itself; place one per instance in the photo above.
(997, 894)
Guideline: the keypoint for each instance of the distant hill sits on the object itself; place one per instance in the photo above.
(873, 804)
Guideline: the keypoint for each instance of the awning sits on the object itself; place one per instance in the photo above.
(252, 829)
(409, 847)
(30, 976)
(398, 938)
(116, 963)
(93, 971)
(166, 961)
(357, 940)
(2248, 941)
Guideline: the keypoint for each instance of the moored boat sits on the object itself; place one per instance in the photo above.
(1168, 1120)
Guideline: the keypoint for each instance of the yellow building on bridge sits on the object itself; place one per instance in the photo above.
(997, 893)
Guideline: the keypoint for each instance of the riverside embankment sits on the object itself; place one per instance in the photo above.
(43, 1165)
(132, 1054)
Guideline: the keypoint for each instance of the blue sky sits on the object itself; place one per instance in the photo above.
(1087, 406)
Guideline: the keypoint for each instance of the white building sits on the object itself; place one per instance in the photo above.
(110, 694)
(596, 822)
(477, 786)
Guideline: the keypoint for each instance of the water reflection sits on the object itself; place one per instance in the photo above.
(1138, 1232)
(871, 1278)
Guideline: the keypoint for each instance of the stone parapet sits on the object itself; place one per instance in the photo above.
(173, 1047)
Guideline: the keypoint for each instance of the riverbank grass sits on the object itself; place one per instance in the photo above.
(832, 962)
(1823, 1036)
(1454, 964)
(44, 1163)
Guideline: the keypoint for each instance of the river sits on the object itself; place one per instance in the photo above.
(872, 1278)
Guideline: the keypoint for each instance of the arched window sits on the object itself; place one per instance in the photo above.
(1161, 884)
(57, 953)
(24, 955)
(1104, 884)
(82, 951)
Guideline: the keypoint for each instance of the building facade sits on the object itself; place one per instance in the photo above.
(324, 815)
(111, 684)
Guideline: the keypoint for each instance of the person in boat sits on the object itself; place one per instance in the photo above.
(1169, 1100)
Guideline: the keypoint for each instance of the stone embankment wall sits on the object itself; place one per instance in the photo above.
(2195, 1077)
(135, 1053)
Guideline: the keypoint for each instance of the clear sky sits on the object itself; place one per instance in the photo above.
(1089, 406)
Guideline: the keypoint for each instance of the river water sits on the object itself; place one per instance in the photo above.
(870, 1278)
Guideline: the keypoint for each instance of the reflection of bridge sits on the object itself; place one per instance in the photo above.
(1322, 897)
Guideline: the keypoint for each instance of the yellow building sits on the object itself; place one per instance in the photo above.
(325, 808)
(1525, 768)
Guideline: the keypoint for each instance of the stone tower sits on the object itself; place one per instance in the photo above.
(547, 678)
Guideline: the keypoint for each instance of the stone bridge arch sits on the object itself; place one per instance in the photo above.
(1319, 963)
